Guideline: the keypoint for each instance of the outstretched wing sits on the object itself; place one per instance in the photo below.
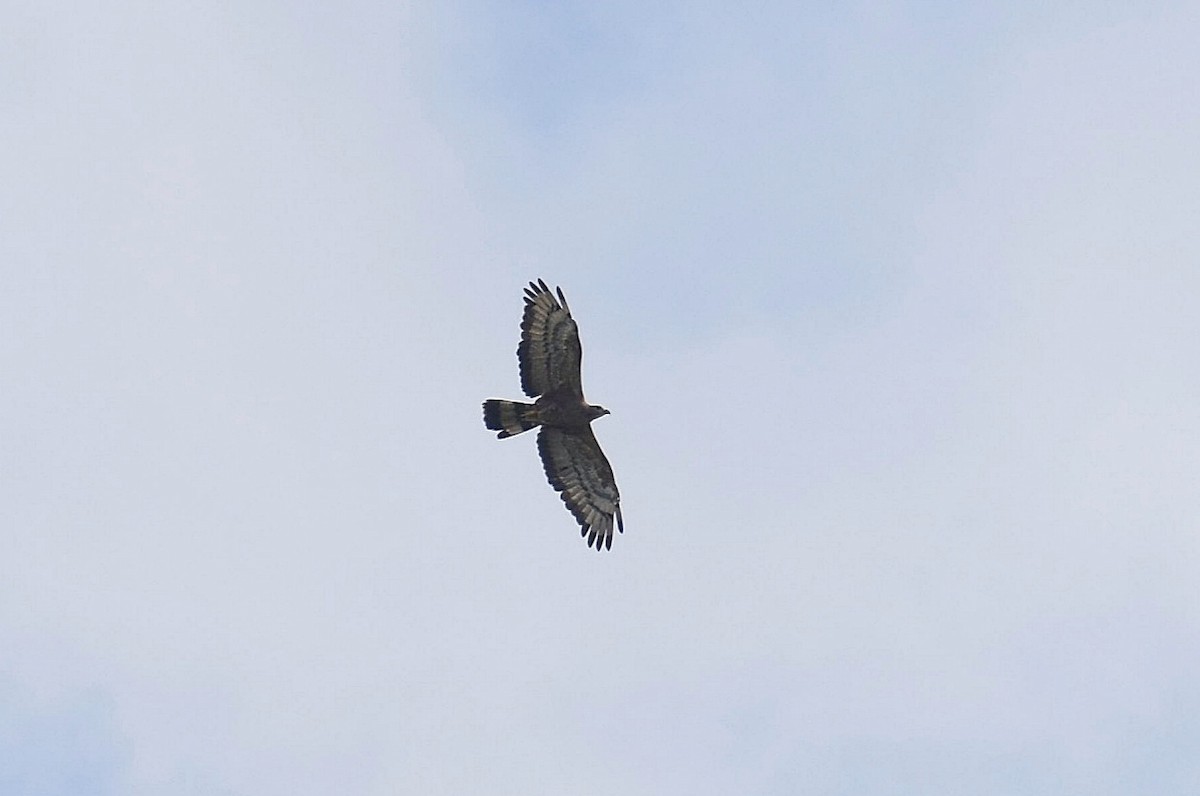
(549, 352)
(577, 468)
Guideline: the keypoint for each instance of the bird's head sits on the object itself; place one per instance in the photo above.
(598, 411)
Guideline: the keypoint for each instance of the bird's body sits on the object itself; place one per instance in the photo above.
(564, 409)
(550, 357)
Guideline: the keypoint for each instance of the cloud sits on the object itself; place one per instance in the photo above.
(897, 339)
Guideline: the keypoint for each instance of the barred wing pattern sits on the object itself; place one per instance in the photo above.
(549, 352)
(576, 467)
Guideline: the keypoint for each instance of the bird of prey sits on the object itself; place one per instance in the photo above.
(550, 356)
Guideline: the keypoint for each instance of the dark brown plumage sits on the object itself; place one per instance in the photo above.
(550, 358)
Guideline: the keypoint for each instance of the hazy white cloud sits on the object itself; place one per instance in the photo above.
(892, 309)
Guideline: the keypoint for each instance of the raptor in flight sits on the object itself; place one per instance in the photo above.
(550, 356)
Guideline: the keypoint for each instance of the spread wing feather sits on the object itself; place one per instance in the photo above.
(549, 351)
(577, 468)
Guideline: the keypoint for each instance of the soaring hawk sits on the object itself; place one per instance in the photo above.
(550, 356)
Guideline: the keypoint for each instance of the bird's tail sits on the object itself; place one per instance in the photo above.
(509, 417)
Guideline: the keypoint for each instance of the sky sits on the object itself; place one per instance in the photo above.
(894, 306)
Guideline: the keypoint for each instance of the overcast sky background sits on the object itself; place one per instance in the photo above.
(897, 308)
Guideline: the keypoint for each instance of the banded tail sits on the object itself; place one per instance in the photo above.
(509, 417)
